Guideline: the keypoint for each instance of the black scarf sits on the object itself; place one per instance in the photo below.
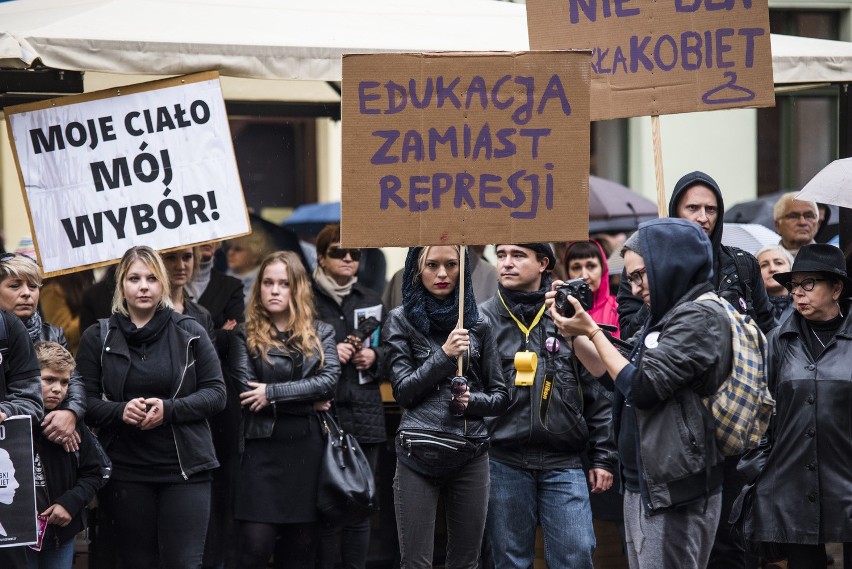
(523, 304)
(147, 333)
(428, 313)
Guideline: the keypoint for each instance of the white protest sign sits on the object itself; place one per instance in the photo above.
(148, 164)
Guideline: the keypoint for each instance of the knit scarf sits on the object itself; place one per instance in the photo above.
(525, 304)
(330, 286)
(33, 324)
(428, 313)
(200, 278)
(148, 332)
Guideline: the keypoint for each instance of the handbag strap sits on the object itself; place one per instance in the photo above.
(329, 425)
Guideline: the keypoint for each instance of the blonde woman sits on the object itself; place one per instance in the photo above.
(20, 292)
(284, 363)
(442, 441)
(153, 379)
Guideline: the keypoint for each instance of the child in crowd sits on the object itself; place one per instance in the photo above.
(65, 481)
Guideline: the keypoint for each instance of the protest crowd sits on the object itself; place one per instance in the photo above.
(198, 409)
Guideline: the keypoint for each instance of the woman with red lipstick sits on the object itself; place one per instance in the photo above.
(803, 496)
(153, 380)
(442, 441)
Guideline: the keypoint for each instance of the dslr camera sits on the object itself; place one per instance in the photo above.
(579, 290)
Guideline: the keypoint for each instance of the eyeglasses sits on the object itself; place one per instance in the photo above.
(6, 257)
(635, 278)
(338, 253)
(795, 215)
(807, 285)
(458, 387)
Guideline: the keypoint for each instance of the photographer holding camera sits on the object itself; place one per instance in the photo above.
(554, 414)
(736, 278)
(671, 467)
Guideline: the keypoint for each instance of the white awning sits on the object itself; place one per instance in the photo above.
(297, 39)
(266, 39)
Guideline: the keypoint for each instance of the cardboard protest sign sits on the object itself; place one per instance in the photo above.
(17, 483)
(465, 148)
(149, 164)
(656, 58)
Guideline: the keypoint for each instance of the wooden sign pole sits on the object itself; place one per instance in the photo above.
(462, 255)
(658, 166)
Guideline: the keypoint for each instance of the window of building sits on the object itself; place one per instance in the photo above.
(798, 137)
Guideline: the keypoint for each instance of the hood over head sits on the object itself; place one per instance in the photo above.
(686, 182)
(678, 255)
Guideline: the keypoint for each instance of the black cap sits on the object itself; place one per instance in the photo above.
(543, 249)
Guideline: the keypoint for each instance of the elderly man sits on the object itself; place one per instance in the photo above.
(796, 221)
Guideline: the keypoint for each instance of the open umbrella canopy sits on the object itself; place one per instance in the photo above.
(614, 207)
(832, 185)
(309, 219)
(748, 236)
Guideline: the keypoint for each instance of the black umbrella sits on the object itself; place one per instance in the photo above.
(614, 207)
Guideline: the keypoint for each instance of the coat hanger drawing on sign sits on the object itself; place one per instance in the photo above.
(742, 94)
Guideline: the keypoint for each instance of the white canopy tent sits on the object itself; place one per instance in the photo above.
(294, 39)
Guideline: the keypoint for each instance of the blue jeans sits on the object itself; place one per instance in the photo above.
(61, 557)
(558, 500)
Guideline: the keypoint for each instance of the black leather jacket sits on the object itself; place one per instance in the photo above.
(804, 494)
(199, 391)
(421, 372)
(75, 401)
(578, 415)
(286, 394)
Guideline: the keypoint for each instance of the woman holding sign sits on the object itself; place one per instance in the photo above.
(152, 380)
(442, 442)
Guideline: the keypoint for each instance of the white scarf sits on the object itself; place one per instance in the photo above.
(330, 286)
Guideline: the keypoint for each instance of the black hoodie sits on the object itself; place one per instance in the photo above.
(736, 274)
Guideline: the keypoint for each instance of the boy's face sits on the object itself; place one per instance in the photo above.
(54, 387)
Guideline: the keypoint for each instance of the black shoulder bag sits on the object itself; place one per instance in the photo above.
(346, 490)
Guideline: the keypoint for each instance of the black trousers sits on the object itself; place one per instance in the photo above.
(159, 525)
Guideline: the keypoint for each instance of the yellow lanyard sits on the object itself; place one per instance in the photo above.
(520, 324)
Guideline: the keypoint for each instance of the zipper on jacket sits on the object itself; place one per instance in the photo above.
(692, 440)
(177, 451)
(180, 384)
(185, 366)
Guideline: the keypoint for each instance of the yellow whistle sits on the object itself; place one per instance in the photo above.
(525, 365)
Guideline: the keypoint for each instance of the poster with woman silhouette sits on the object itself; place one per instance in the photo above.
(17, 487)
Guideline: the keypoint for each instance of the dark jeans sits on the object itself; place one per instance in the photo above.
(159, 525)
(294, 545)
(465, 497)
(351, 541)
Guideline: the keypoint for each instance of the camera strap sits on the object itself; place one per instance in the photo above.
(526, 362)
